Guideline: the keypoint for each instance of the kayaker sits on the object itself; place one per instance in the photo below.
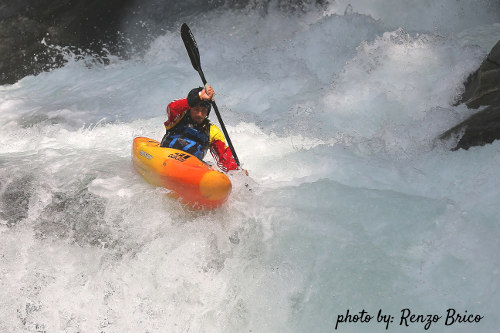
(189, 129)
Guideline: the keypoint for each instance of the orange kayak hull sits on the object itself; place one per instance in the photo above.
(194, 182)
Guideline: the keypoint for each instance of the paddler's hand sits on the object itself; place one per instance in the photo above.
(207, 94)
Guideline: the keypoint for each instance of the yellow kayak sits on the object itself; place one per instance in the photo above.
(190, 179)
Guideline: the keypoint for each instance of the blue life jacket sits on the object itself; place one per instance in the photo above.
(189, 137)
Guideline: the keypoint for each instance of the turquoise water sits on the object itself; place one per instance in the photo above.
(354, 205)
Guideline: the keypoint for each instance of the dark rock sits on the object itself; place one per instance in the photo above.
(87, 25)
(479, 129)
(83, 24)
(483, 86)
(481, 89)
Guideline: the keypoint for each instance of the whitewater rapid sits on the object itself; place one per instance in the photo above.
(353, 205)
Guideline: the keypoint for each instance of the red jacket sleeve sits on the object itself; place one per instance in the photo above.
(223, 156)
(175, 112)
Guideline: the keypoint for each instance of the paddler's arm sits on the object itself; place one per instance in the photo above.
(221, 153)
(223, 156)
(175, 112)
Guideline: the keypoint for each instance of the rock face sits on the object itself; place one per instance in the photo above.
(481, 89)
(90, 24)
(24, 24)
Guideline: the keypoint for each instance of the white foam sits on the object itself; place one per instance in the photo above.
(349, 204)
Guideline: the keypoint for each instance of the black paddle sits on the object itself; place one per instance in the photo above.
(194, 55)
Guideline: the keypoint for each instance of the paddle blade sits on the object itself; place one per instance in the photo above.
(191, 46)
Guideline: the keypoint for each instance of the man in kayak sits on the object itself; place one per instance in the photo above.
(189, 129)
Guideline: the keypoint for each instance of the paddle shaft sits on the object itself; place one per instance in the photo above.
(194, 55)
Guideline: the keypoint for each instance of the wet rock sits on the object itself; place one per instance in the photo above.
(24, 25)
(28, 28)
(481, 89)
(479, 129)
(483, 86)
